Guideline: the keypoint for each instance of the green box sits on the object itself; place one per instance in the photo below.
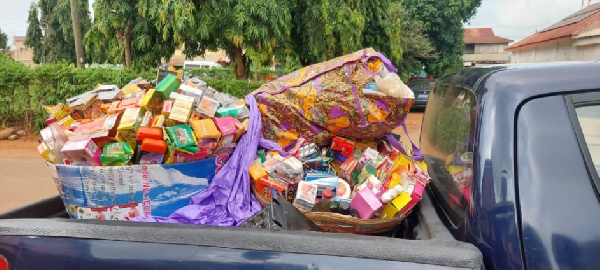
(167, 86)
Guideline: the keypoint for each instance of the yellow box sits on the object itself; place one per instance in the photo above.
(158, 121)
(60, 111)
(257, 172)
(395, 206)
(66, 122)
(46, 152)
(151, 102)
(206, 131)
(132, 88)
(126, 132)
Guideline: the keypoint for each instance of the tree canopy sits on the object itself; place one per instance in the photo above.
(443, 23)
(34, 34)
(55, 22)
(3, 40)
(120, 34)
(244, 29)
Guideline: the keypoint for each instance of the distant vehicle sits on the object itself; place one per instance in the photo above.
(200, 64)
(421, 87)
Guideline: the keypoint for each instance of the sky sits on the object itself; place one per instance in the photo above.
(517, 19)
(513, 19)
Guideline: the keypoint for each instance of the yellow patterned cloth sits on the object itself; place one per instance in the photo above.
(324, 100)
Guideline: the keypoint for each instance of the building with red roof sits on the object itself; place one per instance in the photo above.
(482, 46)
(574, 38)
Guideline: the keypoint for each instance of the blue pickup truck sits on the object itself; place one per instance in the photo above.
(513, 152)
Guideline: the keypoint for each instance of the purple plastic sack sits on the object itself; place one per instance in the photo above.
(228, 200)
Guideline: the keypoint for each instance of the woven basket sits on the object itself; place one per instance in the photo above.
(349, 224)
(335, 222)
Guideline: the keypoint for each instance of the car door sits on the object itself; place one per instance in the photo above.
(557, 161)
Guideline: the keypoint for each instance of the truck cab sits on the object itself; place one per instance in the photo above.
(514, 153)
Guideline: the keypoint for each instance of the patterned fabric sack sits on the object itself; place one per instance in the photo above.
(325, 100)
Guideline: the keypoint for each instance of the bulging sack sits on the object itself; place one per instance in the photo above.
(327, 99)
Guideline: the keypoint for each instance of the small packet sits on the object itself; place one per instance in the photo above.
(116, 154)
(306, 196)
(182, 137)
(207, 107)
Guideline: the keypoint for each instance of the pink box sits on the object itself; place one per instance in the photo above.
(83, 152)
(365, 203)
(227, 127)
(416, 196)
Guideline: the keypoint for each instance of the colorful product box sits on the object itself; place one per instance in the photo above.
(83, 152)
(206, 132)
(167, 86)
(306, 196)
(166, 109)
(146, 120)
(60, 111)
(99, 128)
(416, 195)
(207, 107)
(240, 128)
(132, 102)
(347, 168)
(227, 127)
(182, 107)
(109, 93)
(126, 132)
(396, 205)
(365, 203)
(151, 102)
(158, 121)
(46, 152)
(66, 122)
(329, 183)
(130, 88)
(192, 92)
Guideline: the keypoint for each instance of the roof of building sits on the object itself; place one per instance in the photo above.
(482, 36)
(568, 28)
(18, 38)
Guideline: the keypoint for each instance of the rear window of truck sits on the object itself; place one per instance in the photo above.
(589, 119)
(585, 115)
(447, 143)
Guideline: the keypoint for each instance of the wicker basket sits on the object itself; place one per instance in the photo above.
(349, 224)
(335, 222)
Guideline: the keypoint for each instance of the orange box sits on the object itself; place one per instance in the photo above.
(149, 132)
(154, 146)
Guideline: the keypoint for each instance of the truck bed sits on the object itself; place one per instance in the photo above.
(41, 235)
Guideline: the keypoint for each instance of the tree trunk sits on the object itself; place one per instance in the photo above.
(303, 61)
(241, 68)
(127, 44)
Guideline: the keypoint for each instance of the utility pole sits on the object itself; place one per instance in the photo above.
(77, 34)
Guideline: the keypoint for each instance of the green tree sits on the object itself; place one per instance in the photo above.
(408, 46)
(3, 41)
(120, 34)
(244, 29)
(55, 21)
(34, 36)
(325, 29)
(443, 23)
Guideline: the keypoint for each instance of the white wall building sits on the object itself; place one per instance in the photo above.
(575, 38)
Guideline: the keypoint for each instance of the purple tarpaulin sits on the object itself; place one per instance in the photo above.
(228, 200)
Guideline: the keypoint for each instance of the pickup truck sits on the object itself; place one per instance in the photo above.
(513, 156)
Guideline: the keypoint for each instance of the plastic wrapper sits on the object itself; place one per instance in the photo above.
(116, 154)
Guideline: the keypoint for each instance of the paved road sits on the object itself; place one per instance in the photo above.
(24, 177)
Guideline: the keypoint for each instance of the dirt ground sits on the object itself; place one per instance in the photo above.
(24, 177)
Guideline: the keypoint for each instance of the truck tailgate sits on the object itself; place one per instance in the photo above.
(90, 244)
